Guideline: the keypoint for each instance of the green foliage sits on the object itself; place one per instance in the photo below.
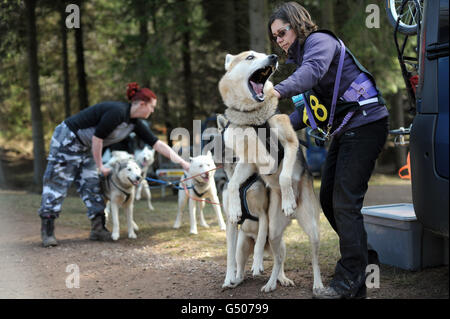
(142, 40)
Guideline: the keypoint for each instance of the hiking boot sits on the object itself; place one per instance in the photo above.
(47, 232)
(327, 293)
(331, 292)
(98, 229)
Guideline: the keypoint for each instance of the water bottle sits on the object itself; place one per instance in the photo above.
(299, 100)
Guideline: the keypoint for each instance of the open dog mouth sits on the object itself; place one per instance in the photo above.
(135, 182)
(257, 80)
(205, 177)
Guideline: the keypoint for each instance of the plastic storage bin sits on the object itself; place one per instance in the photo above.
(400, 240)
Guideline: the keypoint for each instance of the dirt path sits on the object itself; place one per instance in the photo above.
(125, 270)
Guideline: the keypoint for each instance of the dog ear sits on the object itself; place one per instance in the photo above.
(221, 122)
(228, 59)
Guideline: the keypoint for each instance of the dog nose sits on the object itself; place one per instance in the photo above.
(273, 57)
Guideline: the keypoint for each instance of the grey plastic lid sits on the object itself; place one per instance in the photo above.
(402, 211)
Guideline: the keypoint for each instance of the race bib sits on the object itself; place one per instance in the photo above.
(318, 110)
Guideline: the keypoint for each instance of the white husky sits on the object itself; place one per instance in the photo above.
(200, 187)
(251, 105)
(119, 188)
(145, 159)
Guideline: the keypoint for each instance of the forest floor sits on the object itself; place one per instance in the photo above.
(167, 263)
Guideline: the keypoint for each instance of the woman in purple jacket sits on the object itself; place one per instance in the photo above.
(359, 129)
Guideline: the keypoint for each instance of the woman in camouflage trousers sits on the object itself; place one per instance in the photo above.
(75, 156)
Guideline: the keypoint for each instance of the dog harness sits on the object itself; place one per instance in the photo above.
(243, 197)
(106, 188)
(197, 193)
(104, 183)
(193, 187)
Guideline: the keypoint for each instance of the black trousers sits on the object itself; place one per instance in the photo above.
(349, 165)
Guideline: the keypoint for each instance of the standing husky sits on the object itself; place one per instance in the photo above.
(200, 187)
(145, 159)
(119, 188)
(252, 105)
(252, 234)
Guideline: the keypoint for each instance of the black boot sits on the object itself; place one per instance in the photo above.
(98, 229)
(47, 232)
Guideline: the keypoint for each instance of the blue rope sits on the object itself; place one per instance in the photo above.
(172, 184)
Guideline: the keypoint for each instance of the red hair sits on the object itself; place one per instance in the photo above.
(134, 93)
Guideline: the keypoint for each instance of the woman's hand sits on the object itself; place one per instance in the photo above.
(105, 171)
(185, 165)
(276, 93)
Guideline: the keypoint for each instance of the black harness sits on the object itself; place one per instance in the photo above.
(106, 188)
(243, 197)
(197, 193)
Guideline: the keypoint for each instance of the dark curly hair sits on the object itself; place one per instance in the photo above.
(297, 16)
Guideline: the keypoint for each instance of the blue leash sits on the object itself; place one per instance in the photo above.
(172, 184)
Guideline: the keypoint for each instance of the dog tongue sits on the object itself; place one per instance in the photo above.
(257, 87)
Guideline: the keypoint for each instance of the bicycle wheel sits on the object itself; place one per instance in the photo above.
(409, 18)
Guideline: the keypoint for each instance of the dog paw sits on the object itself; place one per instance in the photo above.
(138, 197)
(235, 213)
(132, 235)
(228, 283)
(193, 232)
(270, 286)
(177, 225)
(150, 206)
(204, 224)
(285, 281)
(289, 207)
(318, 291)
(288, 201)
(235, 217)
(135, 227)
(257, 269)
(223, 227)
(115, 236)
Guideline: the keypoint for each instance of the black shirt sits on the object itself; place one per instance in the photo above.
(109, 121)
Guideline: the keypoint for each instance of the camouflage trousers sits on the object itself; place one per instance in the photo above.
(70, 161)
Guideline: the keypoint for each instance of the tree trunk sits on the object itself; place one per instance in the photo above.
(65, 63)
(2, 174)
(187, 70)
(229, 25)
(258, 28)
(327, 10)
(35, 100)
(165, 106)
(81, 74)
(142, 14)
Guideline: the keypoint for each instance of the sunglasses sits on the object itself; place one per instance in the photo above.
(281, 33)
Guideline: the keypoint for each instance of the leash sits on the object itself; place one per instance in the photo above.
(173, 184)
(199, 199)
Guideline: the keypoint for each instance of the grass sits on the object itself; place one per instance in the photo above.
(210, 244)
(156, 229)
(156, 226)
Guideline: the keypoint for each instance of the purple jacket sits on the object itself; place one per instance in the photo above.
(317, 60)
